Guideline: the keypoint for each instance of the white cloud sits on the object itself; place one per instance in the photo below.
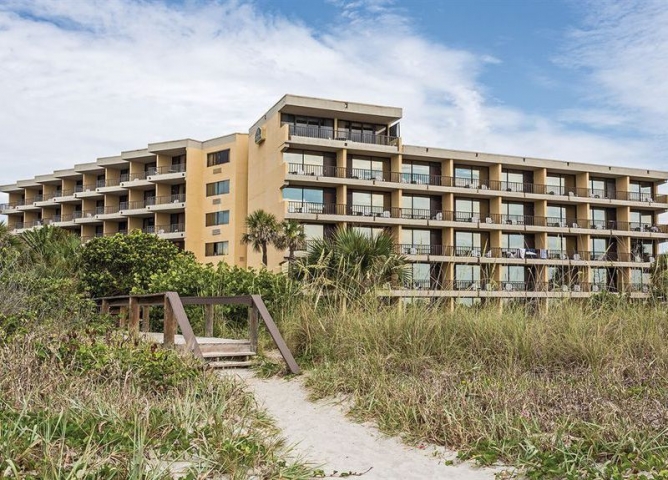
(621, 47)
(82, 80)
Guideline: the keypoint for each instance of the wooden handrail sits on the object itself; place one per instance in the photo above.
(176, 318)
(275, 334)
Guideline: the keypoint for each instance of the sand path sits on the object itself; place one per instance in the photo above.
(320, 433)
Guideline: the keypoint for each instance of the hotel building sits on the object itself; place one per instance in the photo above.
(473, 225)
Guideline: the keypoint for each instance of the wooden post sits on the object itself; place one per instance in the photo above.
(104, 308)
(145, 318)
(133, 324)
(122, 316)
(253, 327)
(169, 327)
(208, 316)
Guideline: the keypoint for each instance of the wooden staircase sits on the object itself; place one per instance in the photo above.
(227, 354)
(215, 352)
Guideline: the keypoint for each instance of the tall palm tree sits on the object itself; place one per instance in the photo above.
(262, 230)
(291, 236)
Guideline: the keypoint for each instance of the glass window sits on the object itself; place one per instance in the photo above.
(513, 274)
(218, 158)
(640, 191)
(467, 176)
(415, 173)
(216, 248)
(313, 231)
(512, 181)
(467, 277)
(467, 209)
(556, 247)
(640, 220)
(556, 185)
(298, 194)
(598, 217)
(217, 188)
(599, 248)
(371, 232)
(218, 218)
(556, 216)
(512, 240)
(368, 168)
(599, 276)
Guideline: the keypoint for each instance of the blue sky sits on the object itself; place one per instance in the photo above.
(578, 80)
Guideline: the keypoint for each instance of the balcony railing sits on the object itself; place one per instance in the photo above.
(165, 199)
(329, 133)
(167, 169)
(469, 217)
(461, 182)
(114, 182)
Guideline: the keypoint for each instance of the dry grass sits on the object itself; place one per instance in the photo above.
(579, 393)
(78, 406)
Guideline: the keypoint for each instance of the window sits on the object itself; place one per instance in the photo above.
(218, 218)
(555, 184)
(467, 244)
(216, 249)
(370, 232)
(467, 210)
(513, 241)
(513, 277)
(556, 216)
(467, 177)
(308, 195)
(304, 162)
(217, 188)
(421, 275)
(640, 191)
(514, 180)
(417, 207)
(368, 168)
(314, 127)
(640, 220)
(556, 247)
(313, 231)
(367, 203)
(642, 250)
(599, 218)
(218, 158)
(515, 213)
(416, 242)
(467, 277)
(601, 188)
(415, 173)
(599, 278)
(599, 248)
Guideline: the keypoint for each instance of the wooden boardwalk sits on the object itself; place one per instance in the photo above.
(133, 312)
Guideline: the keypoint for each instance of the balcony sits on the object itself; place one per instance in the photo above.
(9, 208)
(90, 216)
(167, 203)
(110, 185)
(328, 133)
(473, 219)
(135, 208)
(171, 174)
(168, 232)
(417, 181)
(137, 179)
(110, 213)
(90, 191)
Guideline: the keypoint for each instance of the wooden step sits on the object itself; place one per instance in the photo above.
(225, 353)
(237, 346)
(230, 364)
